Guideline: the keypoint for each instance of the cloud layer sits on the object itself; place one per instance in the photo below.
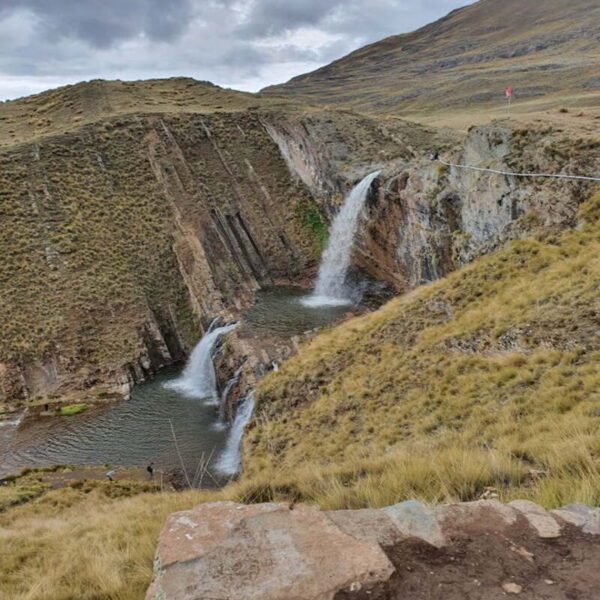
(244, 44)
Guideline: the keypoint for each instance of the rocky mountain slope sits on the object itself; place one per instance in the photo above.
(548, 51)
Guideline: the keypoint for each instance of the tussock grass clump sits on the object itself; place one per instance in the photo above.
(498, 363)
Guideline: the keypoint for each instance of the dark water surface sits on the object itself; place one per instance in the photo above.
(129, 433)
(279, 310)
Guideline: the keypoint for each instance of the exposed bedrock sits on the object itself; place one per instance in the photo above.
(125, 238)
(427, 220)
(471, 550)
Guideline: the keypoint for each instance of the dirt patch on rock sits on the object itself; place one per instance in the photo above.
(491, 567)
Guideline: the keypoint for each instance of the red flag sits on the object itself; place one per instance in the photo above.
(509, 92)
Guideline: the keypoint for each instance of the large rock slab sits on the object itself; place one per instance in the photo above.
(367, 524)
(229, 551)
(274, 554)
(192, 533)
(388, 526)
(416, 520)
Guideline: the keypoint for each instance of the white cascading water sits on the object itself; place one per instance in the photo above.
(331, 289)
(222, 423)
(230, 461)
(198, 379)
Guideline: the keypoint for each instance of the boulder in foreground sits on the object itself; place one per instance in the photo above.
(470, 550)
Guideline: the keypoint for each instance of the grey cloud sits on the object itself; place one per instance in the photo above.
(102, 23)
(248, 43)
(273, 17)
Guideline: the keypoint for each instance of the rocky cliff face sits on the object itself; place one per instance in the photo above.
(125, 237)
(426, 219)
(122, 239)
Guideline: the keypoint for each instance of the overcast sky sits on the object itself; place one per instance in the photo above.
(243, 44)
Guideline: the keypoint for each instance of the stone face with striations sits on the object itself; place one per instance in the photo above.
(387, 526)
(271, 553)
(580, 515)
(540, 519)
(192, 533)
(415, 520)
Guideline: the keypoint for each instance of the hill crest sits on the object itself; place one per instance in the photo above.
(465, 60)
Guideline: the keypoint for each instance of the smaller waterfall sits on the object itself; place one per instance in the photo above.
(225, 394)
(198, 379)
(331, 289)
(230, 460)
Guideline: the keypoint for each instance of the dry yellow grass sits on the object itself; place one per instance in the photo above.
(457, 68)
(72, 545)
(70, 107)
(496, 365)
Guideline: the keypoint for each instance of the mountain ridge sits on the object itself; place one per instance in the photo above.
(465, 59)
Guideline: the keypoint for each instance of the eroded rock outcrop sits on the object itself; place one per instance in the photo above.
(427, 219)
(282, 552)
(125, 238)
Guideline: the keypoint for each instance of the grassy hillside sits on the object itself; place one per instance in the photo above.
(86, 542)
(548, 51)
(69, 107)
(487, 378)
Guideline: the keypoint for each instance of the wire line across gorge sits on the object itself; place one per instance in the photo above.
(555, 176)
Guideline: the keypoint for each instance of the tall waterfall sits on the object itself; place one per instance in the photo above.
(331, 289)
(230, 460)
(198, 379)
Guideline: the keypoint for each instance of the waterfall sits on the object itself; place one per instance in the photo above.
(331, 289)
(226, 390)
(229, 461)
(198, 379)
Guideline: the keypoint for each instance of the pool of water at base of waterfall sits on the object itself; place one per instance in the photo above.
(135, 432)
(130, 433)
(284, 311)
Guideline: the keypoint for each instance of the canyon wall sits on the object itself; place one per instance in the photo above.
(125, 237)
(427, 219)
(121, 240)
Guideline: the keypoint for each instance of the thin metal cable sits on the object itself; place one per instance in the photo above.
(559, 176)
